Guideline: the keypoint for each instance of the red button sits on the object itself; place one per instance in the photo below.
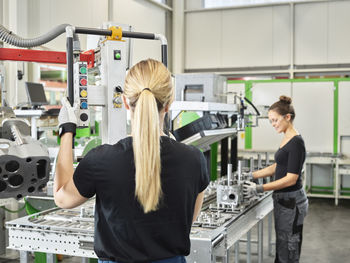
(83, 82)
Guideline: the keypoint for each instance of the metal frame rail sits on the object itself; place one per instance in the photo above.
(71, 232)
(208, 244)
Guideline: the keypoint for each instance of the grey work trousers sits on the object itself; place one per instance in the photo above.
(290, 209)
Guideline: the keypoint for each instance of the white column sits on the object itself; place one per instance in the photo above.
(178, 38)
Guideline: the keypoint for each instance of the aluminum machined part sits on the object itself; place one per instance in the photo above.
(24, 162)
(229, 197)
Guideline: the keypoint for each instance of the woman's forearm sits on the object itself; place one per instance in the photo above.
(266, 172)
(64, 164)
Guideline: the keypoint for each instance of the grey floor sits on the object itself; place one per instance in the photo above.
(326, 236)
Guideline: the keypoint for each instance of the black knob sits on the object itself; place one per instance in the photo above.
(84, 117)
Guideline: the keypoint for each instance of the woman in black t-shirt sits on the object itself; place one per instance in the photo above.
(149, 188)
(290, 201)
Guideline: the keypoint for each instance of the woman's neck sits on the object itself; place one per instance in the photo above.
(290, 132)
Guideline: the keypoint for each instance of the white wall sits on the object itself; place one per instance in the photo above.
(314, 110)
(263, 36)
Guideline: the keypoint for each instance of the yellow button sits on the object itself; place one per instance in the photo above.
(83, 93)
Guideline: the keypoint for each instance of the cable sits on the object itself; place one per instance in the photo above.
(13, 211)
(11, 38)
(257, 112)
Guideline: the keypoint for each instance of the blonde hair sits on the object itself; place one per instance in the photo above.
(148, 88)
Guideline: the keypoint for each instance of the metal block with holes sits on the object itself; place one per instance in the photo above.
(24, 162)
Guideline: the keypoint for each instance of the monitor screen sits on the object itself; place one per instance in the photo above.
(36, 94)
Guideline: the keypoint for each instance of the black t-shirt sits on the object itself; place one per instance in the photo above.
(290, 159)
(122, 231)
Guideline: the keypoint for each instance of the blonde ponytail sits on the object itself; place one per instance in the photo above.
(146, 145)
(148, 88)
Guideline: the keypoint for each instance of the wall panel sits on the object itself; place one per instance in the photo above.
(203, 40)
(261, 36)
(247, 37)
(281, 35)
(313, 104)
(311, 29)
(338, 40)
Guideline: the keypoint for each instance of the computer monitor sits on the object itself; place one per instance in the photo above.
(36, 94)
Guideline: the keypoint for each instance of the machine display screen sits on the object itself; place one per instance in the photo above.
(36, 94)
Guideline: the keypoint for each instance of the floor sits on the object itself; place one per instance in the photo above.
(326, 236)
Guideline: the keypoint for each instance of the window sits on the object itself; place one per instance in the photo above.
(226, 3)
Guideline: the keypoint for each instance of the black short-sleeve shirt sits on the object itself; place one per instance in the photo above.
(122, 231)
(290, 159)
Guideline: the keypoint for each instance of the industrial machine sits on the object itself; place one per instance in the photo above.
(226, 216)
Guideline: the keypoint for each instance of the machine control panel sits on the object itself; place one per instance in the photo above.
(81, 92)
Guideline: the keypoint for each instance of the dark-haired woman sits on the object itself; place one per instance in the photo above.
(290, 201)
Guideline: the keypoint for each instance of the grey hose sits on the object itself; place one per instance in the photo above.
(12, 39)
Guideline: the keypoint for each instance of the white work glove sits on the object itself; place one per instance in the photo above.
(251, 189)
(67, 119)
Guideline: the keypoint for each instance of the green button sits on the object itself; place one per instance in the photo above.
(83, 70)
(117, 55)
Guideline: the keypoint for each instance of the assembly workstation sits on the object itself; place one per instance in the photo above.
(220, 107)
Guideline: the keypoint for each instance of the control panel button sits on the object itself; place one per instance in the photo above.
(83, 81)
(83, 93)
(117, 54)
(84, 117)
(82, 70)
(83, 105)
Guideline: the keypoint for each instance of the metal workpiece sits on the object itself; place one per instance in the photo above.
(24, 162)
(230, 190)
(229, 197)
(239, 172)
(251, 164)
(229, 173)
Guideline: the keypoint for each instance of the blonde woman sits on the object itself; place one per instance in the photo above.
(148, 187)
